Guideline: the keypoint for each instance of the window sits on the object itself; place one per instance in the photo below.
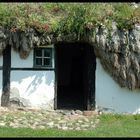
(43, 57)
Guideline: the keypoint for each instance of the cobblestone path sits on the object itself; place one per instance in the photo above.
(41, 118)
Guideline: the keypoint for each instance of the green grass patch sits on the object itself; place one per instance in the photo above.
(67, 17)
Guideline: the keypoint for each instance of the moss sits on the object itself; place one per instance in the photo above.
(66, 17)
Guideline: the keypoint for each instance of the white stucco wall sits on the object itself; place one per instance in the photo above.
(17, 62)
(109, 95)
(36, 86)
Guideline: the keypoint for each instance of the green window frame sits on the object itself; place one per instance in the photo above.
(43, 57)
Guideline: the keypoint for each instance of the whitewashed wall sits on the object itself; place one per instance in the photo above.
(17, 62)
(35, 86)
(110, 96)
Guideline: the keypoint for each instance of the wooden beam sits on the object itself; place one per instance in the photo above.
(6, 77)
(56, 73)
(91, 67)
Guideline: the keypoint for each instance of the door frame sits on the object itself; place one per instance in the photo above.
(89, 105)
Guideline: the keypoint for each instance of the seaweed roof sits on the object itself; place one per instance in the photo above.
(66, 17)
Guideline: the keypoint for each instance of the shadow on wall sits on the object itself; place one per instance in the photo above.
(110, 96)
(29, 82)
(37, 80)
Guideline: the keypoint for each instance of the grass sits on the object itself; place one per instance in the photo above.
(66, 16)
(111, 125)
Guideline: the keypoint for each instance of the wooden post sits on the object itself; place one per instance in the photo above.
(55, 70)
(91, 67)
(6, 77)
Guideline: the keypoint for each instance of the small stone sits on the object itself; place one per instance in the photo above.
(86, 119)
(33, 127)
(70, 128)
(69, 124)
(79, 121)
(90, 113)
(84, 125)
(11, 124)
(79, 112)
(77, 124)
(21, 108)
(58, 118)
(74, 117)
(41, 127)
(100, 113)
(66, 118)
(62, 121)
(77, 128)
(59, 127)
(65, 128)
(2, 124)
(73, 112)
(15, 126)
(4, 109)
(35, 123)
(50, 123)
(93, 126)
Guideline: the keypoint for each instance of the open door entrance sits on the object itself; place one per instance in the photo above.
(75, 76)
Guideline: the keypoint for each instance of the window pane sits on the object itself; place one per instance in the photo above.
(38, 52)
(39, 61)
(43, 57)
(47, 53)
(47, 62)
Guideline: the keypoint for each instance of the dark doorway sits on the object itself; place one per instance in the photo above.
(75, 76)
